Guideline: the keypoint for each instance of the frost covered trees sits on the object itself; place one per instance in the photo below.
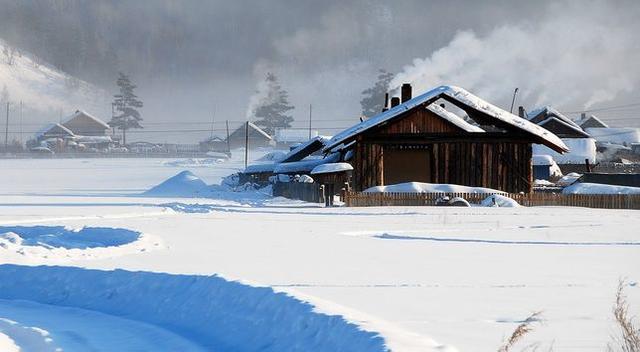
(271, 111)
(126, 104)
(373, 100)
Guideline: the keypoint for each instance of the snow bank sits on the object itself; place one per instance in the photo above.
(501, 201)
(184, 184)
(218, 314)
(579, 150)
(34, 244)
(419, 187)
(598, 188)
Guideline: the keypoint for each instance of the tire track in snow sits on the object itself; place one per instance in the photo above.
(387, 236)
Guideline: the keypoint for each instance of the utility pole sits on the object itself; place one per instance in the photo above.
(310, 107)
(213, 117)
(513, 101)
(21, 123)
(246, 144)
(6, 131)
(228, 142)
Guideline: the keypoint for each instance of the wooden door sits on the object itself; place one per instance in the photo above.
(406, 165)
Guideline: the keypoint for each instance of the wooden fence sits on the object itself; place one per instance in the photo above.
(603, 201)
(308, 192)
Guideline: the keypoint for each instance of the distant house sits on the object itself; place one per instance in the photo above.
(83, 124)
(257, 137)
(581, 146)
(592, 122)
(55, 136)
(420, 140)
(214, 144)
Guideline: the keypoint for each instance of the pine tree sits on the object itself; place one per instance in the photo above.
(126, 103)
(373, 100)
(272, 109)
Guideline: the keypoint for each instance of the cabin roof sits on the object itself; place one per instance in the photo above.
(548, 116)
(51, 127)
(593, 119)
(464, 100)
(304, 149)
(80, 113)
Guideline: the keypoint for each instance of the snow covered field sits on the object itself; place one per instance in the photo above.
(424, 278)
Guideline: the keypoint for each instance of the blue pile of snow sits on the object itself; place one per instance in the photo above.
(61, 237)
(218, 314)
(184, 184)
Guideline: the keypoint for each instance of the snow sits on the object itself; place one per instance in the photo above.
(622, 135)
(419, 187)
(305, 165)
(43, 88)
(454, 119)
(184, 183)
(497, 200)
(579, 150)
(544, 159)
(195, 162)
(51, 126)
(253, 317)
(598, 188)
(331, 167)
(460, 95)
(559, 116)
(442, 279)
(569, 179)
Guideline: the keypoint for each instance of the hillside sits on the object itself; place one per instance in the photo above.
(46, 93)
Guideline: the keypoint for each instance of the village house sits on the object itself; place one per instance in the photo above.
(257, 137)
(83, 124)
(582, 146)
(422, 140)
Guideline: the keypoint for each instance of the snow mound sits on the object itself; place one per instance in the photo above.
(34, 244)
(275, 155)
(419, 187)
(331, 167)
(217, 314)
(497, 200)
(599, 188)
(184, 184)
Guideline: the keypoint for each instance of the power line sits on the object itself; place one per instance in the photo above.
(613, 107)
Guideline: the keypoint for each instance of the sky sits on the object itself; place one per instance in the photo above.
(197, 61)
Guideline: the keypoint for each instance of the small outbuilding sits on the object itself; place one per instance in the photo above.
(257, 137)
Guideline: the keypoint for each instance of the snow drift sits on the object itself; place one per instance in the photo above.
(419, 187)
(218, 314)
(184, 184)
(598, 188)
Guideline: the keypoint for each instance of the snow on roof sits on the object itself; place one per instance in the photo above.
(79, 113)
(571, 126)
(259, 130)
(596, 119)
(303, 149)
(260, 168)
(622, 135)
(461, 97)
(454, 119)
(331, 167)
(548, 110)
(92, 139)
(50, 127)
(305, 165)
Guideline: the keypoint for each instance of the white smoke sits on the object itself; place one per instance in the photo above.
(580, 53)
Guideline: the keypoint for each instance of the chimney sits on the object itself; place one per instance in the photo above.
(405, 92)
(386, 102)
(583, 116)
(521, 112)
(395, 101)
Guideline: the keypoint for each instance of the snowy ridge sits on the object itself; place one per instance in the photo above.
(44, 88)
(219, 315)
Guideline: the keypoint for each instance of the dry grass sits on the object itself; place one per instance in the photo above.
(519, 333)
(628, 339)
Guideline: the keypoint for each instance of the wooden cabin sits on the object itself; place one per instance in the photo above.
(257, 137)
(556, 122)
(420, 140)
(83, 124)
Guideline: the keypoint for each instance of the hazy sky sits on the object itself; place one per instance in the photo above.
(191, 58)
